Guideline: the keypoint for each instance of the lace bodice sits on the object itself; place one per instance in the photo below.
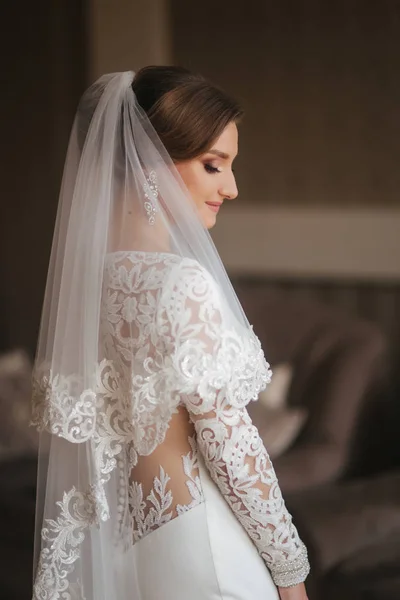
(165, 324)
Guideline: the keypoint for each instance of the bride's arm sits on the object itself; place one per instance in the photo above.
(239, 464)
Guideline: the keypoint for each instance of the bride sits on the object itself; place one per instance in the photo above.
(153, 483)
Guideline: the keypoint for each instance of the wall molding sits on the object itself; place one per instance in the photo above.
(310, 243)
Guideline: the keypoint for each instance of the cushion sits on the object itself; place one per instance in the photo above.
(278, 424)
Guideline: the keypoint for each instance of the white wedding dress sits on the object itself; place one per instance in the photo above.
(208, 518)
(153, 483)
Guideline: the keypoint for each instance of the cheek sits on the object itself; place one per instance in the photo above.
(206, 186)
(199, 183)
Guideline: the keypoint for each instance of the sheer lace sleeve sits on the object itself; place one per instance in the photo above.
(217, 369)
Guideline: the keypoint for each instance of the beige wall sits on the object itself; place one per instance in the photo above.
(314, 243)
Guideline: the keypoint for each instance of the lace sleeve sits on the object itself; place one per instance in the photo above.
(218, 371)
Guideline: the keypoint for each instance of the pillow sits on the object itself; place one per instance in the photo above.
(278, 424)
(274, 397)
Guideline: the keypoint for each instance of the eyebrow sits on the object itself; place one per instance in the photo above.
(219, 153)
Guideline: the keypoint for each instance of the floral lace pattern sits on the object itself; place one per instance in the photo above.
(99, 414)
(166, 339)
(62, 538)
(148, 516)
(239, 464)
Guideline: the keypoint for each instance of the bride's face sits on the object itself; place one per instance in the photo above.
(209, 177)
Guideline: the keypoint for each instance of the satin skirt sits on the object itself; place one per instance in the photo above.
(204, 554)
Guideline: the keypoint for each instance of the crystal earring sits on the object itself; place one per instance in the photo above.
(151, 193)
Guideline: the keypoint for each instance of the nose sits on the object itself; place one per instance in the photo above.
(229, 188)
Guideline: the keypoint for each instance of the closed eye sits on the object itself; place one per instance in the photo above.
(210, 169)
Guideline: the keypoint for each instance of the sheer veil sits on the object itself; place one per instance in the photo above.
(120, 193)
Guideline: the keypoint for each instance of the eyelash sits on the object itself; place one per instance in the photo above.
(211, 169)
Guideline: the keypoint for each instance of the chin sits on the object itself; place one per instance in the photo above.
(210, 223)
(211, 220)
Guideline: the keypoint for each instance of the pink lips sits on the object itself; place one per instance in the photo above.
(215, 206)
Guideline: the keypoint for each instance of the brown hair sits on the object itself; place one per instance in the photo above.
(188, 112)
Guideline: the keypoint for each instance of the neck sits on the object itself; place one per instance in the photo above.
(132, 231)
